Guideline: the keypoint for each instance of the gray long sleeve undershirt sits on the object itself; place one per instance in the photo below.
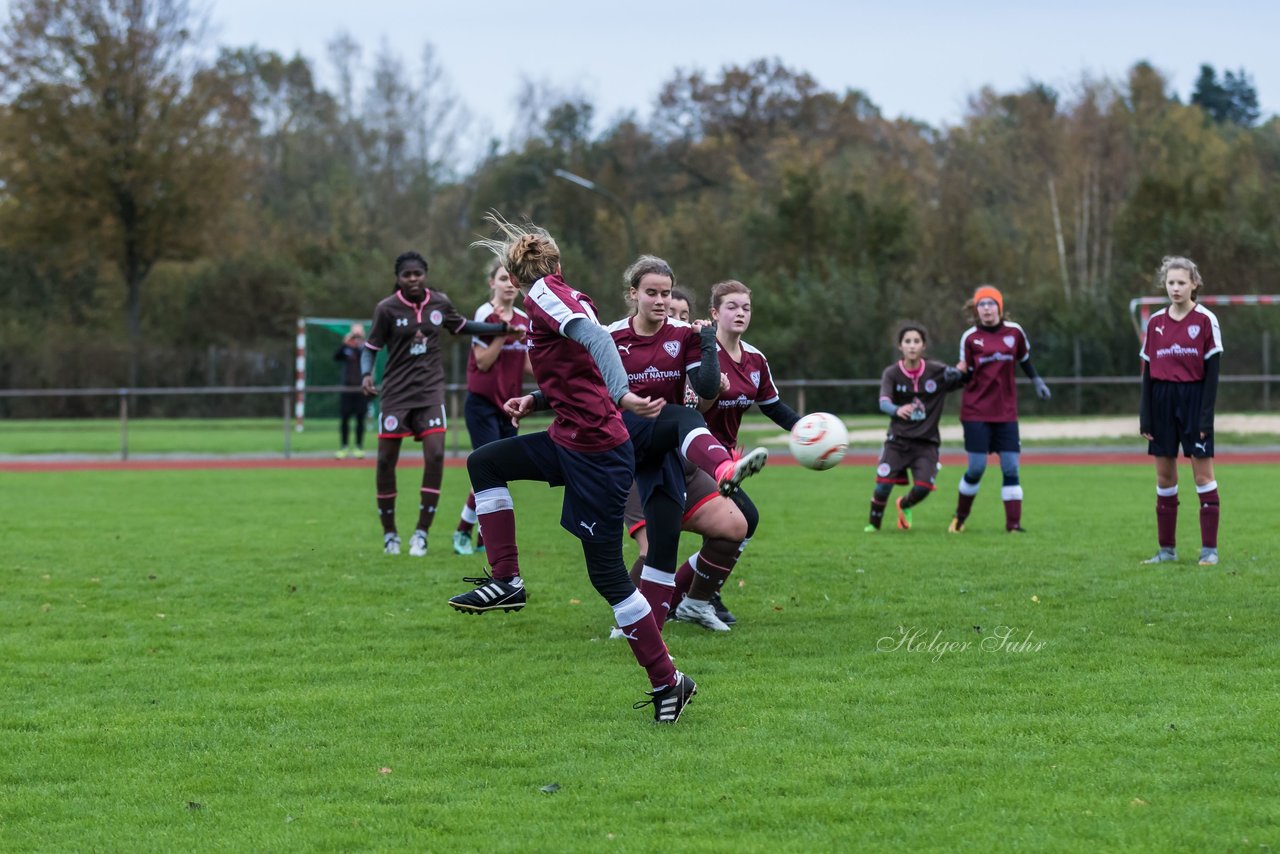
(601, 347)
(367, 359)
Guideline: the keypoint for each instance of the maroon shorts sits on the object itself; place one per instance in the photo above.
(902, 455)
(403, 423)
(699, 488)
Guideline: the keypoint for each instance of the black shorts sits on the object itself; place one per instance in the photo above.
(900, 455)
(485, 422)
(1175, 421)
(991, 437)
(658, 461)
(595, 485)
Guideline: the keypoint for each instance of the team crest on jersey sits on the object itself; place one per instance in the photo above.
(389, 423)
(755, 379)
(1008, 340)
(1193, 330)
(436, 317)
(882, 470)
(930, 386)
(672, 348)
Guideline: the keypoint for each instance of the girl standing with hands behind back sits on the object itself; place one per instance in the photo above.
(1180, 356)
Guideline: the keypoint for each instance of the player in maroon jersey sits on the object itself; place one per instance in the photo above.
(496, 366)
(745, 381)
(586, 449)
(912, 393)
(408, 325)
(989, 408)
(664, 356)
(1180, 357)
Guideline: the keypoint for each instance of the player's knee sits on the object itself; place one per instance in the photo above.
(483, 470)
(882, 491)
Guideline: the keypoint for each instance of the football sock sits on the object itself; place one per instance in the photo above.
(387, 512)
(915, 496)
(1012, 497)
(1208, 497)
(498, 519)
(1167, 516)
(684, 578)
(715, 562)
(427, 507)
(705, 451)
(635, 618)
(964, 503)
(468, 519)
(657, 586)
(877, 512)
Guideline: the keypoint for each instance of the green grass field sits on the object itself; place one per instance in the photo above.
(223, 660)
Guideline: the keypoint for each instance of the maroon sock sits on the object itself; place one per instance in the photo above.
(963, 506)
(705, 451)
(1167, 520)
(684, 578)
(427, 509)
(877, 512)
(715, 562)
(1209, 518)
(387, 512)
(463, 525)
(659, 599)
(1012, 513)
(650, 651)
(501, 551)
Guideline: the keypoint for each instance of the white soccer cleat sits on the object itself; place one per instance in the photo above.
(418, 544)
(732, 476)
(1163, 556)
(1208, 556)
(391, 544)
(702, 613)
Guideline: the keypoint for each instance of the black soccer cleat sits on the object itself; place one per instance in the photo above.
(491, 594)
(721, 611)
(670, 702)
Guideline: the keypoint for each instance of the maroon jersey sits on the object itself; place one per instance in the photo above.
(586, 417)
(749, 383)
(927, 388)
(414, 376)
(658, 364)
(991, 394)
(505, 377)
(1177, 349)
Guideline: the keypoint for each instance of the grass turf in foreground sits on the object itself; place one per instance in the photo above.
(223, 660)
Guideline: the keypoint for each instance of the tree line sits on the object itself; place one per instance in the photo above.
(166, 215)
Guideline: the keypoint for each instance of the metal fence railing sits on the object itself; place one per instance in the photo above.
(799, 393)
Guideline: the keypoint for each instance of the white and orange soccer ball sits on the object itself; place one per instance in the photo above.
(819, 441)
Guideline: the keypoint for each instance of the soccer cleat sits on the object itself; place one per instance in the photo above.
(1016, 529)
(1163, 556)
(391, 544)
(904, 515)
(490, 595)
(418, 544)
(733, 472)
(956, 527)
(358, 453)
(722, 612)
(669, 702)
(462, 544)
(342, 454)
(870, 529)
(689, 611)
(1209, 556)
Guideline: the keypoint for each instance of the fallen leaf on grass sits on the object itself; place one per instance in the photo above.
(550, 788)
(160, 616)
(575, 601)
(46, 607)
(192, 805)
(384, 770)
(1137, 802)
(1035, 599)
(741, 584)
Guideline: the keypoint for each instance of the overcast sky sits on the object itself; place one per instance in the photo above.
(919, 59)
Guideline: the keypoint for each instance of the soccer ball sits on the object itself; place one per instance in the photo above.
(819, 441)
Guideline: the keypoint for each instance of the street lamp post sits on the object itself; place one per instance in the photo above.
(587, 184)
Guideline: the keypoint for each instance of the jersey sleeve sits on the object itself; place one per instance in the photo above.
(1212, 336)
(886, 385)
(453, 319)
(481, 315)
(556, 309)
(767, 392)
(381, 329)
(1024, 346)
